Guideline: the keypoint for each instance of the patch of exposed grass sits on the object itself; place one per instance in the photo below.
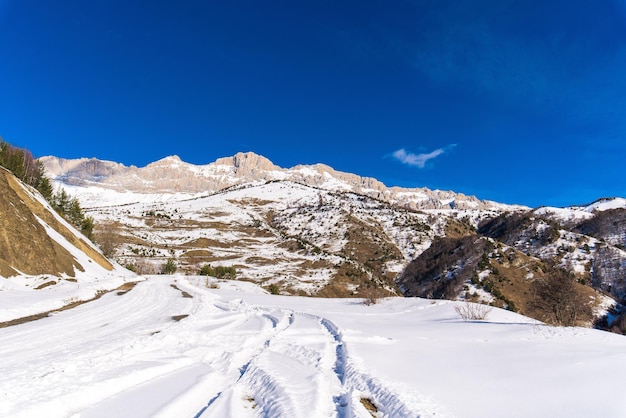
(125, 288)
(198, 254)
(206, 243)
(46, 284)
(250, 202)
(260, 261)
(179, 317)
(185, 294)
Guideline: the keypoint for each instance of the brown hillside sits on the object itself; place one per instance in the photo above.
(25, 245)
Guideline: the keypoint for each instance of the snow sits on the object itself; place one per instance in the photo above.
(240, 352)
(564, 214)
(607, 204)
(579, 213)
(95, 196)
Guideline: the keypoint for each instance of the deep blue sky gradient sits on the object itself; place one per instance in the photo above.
(515, 101)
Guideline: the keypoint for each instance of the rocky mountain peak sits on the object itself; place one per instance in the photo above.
(247, 163)
(169, 160)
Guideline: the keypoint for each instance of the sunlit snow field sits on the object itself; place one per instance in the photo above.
(176, 346)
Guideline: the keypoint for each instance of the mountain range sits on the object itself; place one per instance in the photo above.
(312, 230)
(171, 175)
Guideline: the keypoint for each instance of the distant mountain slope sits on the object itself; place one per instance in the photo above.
(171, 175)
(300, 238)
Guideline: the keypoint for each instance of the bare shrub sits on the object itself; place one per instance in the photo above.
(108, 240)
(143, 266)
(371, 296)
(473, 311)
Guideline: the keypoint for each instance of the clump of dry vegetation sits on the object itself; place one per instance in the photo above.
(469, 311)
(369, 406)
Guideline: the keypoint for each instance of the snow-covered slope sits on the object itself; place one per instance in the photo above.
(574, 214)
(297, 237)
(171, 347)
(40, 251)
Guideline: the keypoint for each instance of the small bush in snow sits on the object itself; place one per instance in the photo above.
(273, 289)
(472, 311)
(371, 296)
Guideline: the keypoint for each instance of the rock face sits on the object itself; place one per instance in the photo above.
(172, 175)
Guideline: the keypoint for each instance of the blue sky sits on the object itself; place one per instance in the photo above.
(515, 101)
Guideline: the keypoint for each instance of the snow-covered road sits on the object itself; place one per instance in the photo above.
(176, 350)
(171, 347)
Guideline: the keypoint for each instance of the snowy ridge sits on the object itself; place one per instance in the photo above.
(577, 213)
(606, 204)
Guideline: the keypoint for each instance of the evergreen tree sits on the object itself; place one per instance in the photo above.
(43, 184)
(169, 267)
(86, 227)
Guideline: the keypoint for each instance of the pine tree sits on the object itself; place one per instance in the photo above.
(169, 267)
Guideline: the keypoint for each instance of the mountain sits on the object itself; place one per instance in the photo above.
(311, 230)
(304, 230)
(172, 176)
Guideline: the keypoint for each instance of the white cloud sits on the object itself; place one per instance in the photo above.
(419, 160)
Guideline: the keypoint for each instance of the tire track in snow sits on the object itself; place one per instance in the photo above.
(226, 355)
(337, 381)
(342, 399)
(294, 377)
(357, 383)
(239, 370)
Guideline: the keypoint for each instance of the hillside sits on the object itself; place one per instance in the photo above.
(34, 239)
(39, 250)
(302, 239)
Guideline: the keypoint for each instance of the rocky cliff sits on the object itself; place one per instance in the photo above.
(172, 175)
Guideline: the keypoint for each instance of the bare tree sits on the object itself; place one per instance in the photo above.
(108, 240)
(559, 301)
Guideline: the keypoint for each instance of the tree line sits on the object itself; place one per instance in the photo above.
(21, 163)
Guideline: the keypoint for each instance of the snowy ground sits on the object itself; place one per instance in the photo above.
(173, 347)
